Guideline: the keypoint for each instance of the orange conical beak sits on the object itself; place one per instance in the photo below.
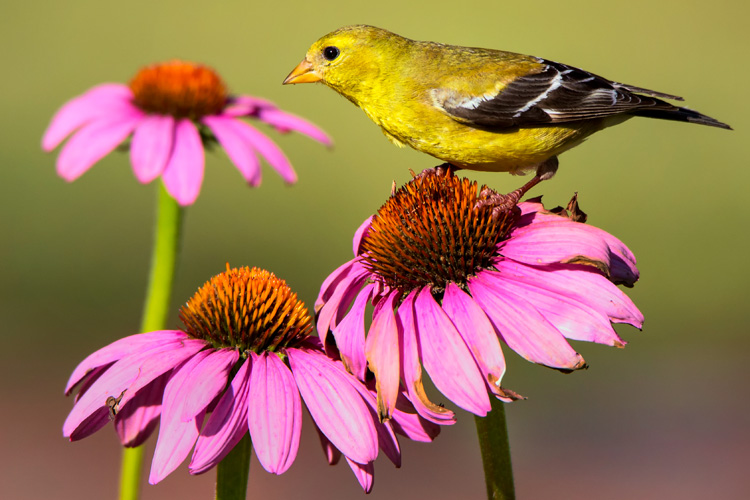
(303, 73)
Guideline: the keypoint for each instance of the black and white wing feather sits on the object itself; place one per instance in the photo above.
(560, 94)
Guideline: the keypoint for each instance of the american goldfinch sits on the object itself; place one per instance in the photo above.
(478, 109)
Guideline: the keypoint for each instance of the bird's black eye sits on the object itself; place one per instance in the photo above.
(331, 53)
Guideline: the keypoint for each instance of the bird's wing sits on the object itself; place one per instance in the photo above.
(556, 94)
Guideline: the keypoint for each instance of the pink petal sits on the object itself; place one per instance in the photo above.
(268, 149)
(209, 378)
(411, 368)
(410, 424)
(227, 424)
(559, 241)
(478, 334)
(336, 306)
(154, 366)
(136, 421)
(151, 147)
(350, 335)
(522, 327)
(184, 173)
(275, 414)
(97, 103)
(335, 406)
(119, 377)
(119, 349)
(583, 284)
(573, 319)
(333, 455)
(382, 352)
(360, 234)
(94, 422)
(176, 437)
(446, 357)
(284, 122)
(365, 473)
(239, 150)
(332, 281)
(243, 105)
(94, 141)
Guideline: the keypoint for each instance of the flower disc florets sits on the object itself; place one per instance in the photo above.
(180, 89)
(432, 232)
(248, 309)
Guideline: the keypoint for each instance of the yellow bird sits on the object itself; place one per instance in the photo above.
(478, 109)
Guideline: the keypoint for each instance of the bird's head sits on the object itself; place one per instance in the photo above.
(349, 60)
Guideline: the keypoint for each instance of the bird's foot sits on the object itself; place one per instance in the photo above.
(444, 169)
(501, 204)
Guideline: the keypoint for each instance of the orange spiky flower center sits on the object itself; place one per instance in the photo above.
(247, 309)
(431, 232)
(180, 89)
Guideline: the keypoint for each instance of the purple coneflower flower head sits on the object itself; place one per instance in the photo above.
(243, 363)
(171, 110)
(449, 280)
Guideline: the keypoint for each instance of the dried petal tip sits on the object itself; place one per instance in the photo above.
(249, 309)
(433, 231)
(180, 89)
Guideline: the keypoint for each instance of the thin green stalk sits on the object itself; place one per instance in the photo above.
(233, 471)
(493, 441)
(155, 312)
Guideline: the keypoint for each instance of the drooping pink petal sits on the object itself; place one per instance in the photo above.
(576, 321)
(89, 379)
(136, 421)
(227, 424)
(410, 424)
(100, 101)
(91, 424)
(381, 349)
(350, 335)
(176, 437)
(209, 380)
(119, 377)
(522, 327)
(333, 455)
(119, 349)
(336, 306)
(239, 150)
(151, 146)
(335, 406)
(275, 414)
(268, 149)
(94, 141)
(244, 105)
(478, 334)
(447, 358)
(332, 281)
(285, 122)
(183, 175)
(580, 283)
(558, 241)
(365, 473)
(360, 234)
(154, 366)
(412, 369)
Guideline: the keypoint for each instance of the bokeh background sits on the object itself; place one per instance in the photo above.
(666, 417)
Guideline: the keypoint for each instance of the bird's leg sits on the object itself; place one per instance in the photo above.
(502, 203)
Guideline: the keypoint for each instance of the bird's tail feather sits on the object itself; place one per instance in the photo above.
(680, 115)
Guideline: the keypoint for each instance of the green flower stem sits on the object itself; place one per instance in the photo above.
(155, 312)
(493, 441)
(233, 471)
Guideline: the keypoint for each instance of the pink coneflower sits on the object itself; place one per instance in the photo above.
(449, 279)
(171, 109)
(244, 362)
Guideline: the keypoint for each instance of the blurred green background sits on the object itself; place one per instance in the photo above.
(666, 417)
